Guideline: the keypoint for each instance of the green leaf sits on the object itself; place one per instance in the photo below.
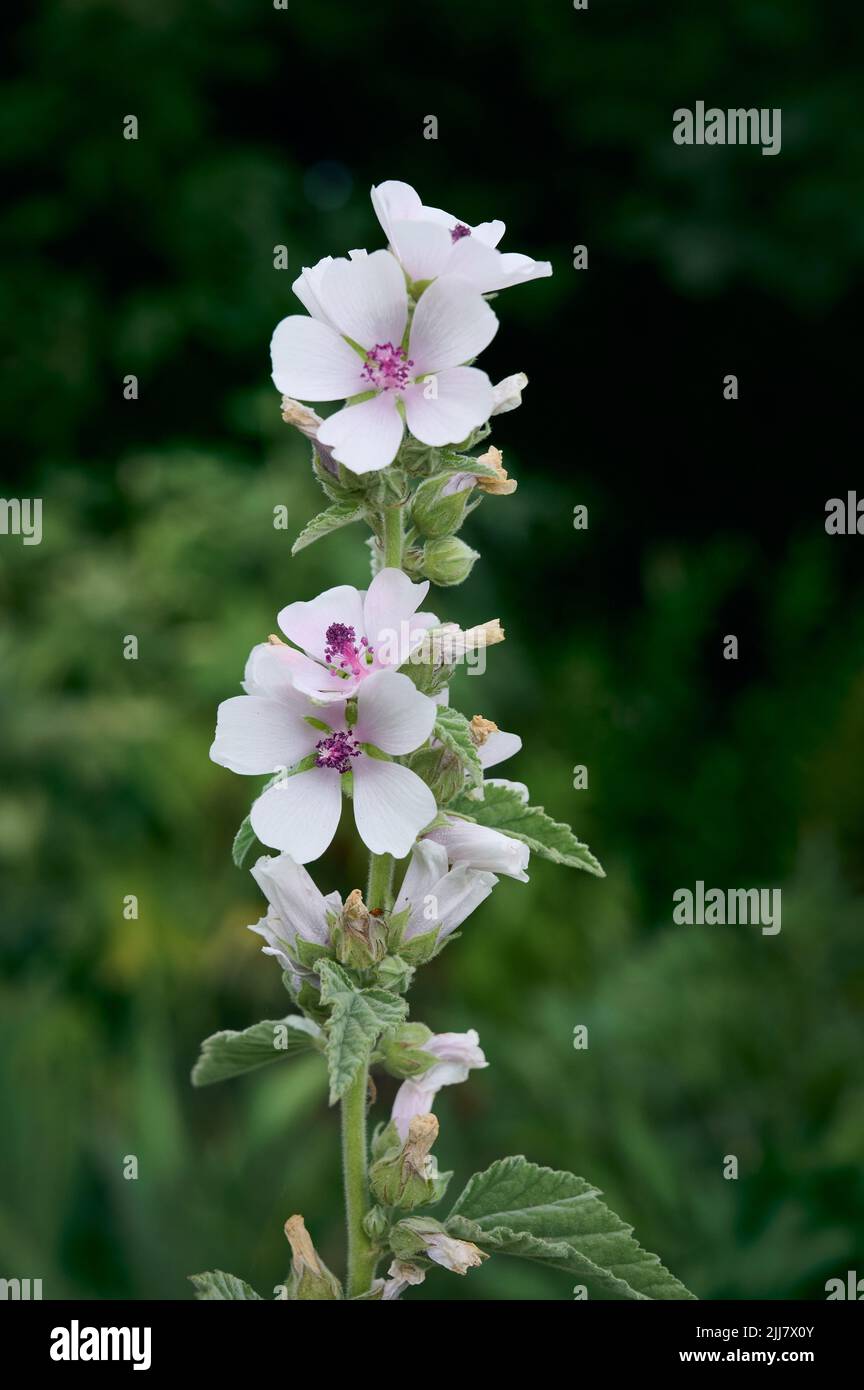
(228, 1054)
(216, 1284)
(503, 809)
(358, 1018)
(517, 1208)
(453, 730)
(331, 519)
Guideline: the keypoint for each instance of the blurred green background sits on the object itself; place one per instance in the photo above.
(260, 127)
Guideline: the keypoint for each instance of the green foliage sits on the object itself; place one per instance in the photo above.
(217, 1285)
(358, 1017)
(325, 523)
(453, 731)
(229, 1054)
(502, 808)
(518, 1208)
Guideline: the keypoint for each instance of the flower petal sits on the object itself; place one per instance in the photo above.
(518, 270)
(306, 623)
(255, 734)
(391, 805)
(451, 324)
(294, 895)
(301, 814)
(464, 401)
(392, 713)
(364, 437)
(497, 747)
(312, 363)
(483, 848)
(366, 299)
(394, 200)
(428, 866)
(423, 248)
(285, 674)
(389, 610)
(460, 891)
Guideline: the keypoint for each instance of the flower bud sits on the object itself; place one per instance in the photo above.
(423, 1236)
(395, 974)
(448, 561)
(408, 1177)
(402, 1052)
(301, 417)
(310, 1279)
(359, 936)
(438, 505)
(441, 770)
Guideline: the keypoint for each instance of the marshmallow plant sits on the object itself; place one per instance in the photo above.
(347, 713)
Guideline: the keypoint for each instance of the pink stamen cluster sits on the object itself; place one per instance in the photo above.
(336, 752)
(342, 648)
(460, 230)
(387, 367)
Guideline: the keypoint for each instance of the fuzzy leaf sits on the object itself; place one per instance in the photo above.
(453, 730)
(331, 519)
(503, 809)
(228, 1053)
(216, 1284)
(518, 1208)
(358, 1018)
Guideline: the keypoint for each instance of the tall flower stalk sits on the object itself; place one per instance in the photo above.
(351, 705)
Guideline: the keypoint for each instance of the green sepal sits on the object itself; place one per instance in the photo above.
(420, 949)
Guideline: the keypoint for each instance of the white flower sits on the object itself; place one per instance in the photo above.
(482, 848)
(354, 344)
(458, 1054)
(347, 634)
(297, 907)
(456, 1255)
(430, 242)
(437, 895)
(276, 727)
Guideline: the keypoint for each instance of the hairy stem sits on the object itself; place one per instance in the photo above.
(361, 1255)
(393, 537)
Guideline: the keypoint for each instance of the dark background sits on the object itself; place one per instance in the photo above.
(260, 127)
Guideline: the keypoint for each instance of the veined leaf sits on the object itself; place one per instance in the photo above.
(229, 1053)
(357, 1020)
(518, 1208)
(331, 519)
(503, 809)
(216, 1284)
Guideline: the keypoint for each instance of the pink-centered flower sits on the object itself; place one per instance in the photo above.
(356, 343)
(457, 1054)
(275, 727)
(345, 635)
(430, 242)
